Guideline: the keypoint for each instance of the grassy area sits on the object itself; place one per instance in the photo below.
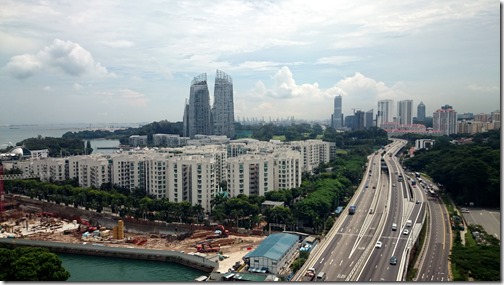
(280, 138)
(341, 151)
(412, 271)
(469, 240)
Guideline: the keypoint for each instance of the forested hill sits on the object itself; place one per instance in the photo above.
(161, 127)
(469, 172)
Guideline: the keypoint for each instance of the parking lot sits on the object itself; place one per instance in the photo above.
(488, 218)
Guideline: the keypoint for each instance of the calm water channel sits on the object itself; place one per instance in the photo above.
(84, 268)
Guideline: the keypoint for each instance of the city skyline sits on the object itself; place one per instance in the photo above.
(115, 62)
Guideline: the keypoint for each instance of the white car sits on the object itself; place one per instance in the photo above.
(405, 232)
(378, 244)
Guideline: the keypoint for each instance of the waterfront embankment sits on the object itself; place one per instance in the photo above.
(194, 261)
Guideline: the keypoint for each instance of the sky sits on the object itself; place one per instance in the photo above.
(133, 61)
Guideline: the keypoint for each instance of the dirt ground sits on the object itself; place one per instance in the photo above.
(57, 230)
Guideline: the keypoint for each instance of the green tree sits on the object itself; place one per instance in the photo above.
(31, 264)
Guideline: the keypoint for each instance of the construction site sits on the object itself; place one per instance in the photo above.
(31, 221)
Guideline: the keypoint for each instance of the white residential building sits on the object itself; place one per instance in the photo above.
(313, 153)
(287, 169)
(156, 167)
(192, 178)
(128, 170)
(136, 140)
(90, 170)
(250, 174)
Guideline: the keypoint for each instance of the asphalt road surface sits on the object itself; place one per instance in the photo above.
(489, 219)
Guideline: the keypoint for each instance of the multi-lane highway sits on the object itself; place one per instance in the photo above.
(348, 252)
(406, 203)
(433, 265)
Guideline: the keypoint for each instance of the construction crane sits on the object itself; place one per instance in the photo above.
(10, 177)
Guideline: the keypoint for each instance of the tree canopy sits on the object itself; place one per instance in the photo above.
(469, 172)
(31, 264)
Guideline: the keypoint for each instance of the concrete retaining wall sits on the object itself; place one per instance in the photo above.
(194, 261)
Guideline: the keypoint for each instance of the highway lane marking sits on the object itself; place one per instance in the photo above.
(341, 262)
(322, 260)
(331, 261)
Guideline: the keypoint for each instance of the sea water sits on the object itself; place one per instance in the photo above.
(86, 268)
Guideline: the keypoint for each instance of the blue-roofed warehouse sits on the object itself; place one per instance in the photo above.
(273, 253)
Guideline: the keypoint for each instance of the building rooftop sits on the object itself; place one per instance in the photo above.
(274, 246)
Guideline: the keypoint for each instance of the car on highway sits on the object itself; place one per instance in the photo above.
(417, 202)
(394, 226)
(405, 232)
(393, 260)
(378, 244)
(393, 184)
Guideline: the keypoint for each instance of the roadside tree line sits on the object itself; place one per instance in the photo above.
(469, 172)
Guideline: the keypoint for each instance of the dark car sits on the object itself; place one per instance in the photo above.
(393, 260)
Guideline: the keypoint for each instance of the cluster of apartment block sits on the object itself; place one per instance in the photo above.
(192, 173)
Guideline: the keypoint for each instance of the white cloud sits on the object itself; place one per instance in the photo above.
(118, 44)
(47, 88)
(287, 98)
(77, 86)
(482, 88)
(64, 56)
(338, 59)
(127, 96)
(23, 66)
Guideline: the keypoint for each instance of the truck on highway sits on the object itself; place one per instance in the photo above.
(352, 209)
(309, 274)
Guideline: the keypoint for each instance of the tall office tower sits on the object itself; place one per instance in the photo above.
(223, 107)
(359, 120)
(445, 120)
(337, 118)
(368, 119)
(199, 107)
(421, 112)
(405, 112)
(385, 114)
(185, 130)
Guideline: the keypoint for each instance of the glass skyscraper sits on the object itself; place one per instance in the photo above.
(421, 112)
(198, 110)
(337, 118)
(199, 118)
(223, 106)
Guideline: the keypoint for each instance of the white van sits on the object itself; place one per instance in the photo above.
(409, 223)
(394, 227)
(321, 276)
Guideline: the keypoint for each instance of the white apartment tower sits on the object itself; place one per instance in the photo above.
(90, 170)
(445, 120)
(250, 174)
(287, 169)
(155, 175)
(128, 170)
(385, 112)
(313, 152)
(405, 112)
(192, 178)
